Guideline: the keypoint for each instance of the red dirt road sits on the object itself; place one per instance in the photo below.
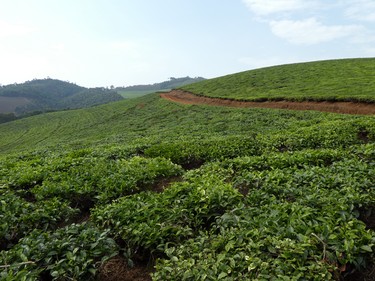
(337, 107)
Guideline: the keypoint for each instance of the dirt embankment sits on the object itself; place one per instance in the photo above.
(337, 107)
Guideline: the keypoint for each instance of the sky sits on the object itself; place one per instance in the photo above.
(100, 43)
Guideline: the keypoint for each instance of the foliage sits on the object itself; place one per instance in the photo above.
(191, 153)
(83, 180)
(299, 221)
(19, 217)
(151, 221)
(284, 241)
(94, 180)
(71, 253)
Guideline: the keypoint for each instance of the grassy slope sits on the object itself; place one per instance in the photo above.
(349, 79)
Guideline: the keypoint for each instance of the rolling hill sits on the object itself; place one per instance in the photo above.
(50, 94)
(151, 189)
(333, 80)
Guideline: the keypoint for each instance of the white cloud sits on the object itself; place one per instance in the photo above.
(361, 10)
(310, 31)
(10, 30)
(305, 22)
(268, 7)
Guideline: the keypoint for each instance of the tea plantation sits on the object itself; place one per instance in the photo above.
(332, 80)
(187, 192)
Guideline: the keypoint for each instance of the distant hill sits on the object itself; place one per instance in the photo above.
(140, 90)
(42, 95)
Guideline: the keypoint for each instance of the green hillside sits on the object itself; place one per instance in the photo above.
(149, 189)
(147, 120)
(51, 94)
(341, 80)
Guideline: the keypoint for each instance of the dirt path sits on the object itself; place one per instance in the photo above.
(337, 107)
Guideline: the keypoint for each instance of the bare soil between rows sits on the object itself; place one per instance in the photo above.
(326, 106)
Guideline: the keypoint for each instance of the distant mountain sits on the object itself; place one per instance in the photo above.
(41, 95)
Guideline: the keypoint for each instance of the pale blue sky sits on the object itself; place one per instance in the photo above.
(113, 42)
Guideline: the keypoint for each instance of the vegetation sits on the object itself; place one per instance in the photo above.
(141, 90)
(187, 192)
(50, 94)
(333, 80)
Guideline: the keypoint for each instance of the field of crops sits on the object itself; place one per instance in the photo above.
(295, 200)
(333, 80)
(148, 120)
(148, 189)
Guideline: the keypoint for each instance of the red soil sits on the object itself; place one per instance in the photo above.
(337, 107)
